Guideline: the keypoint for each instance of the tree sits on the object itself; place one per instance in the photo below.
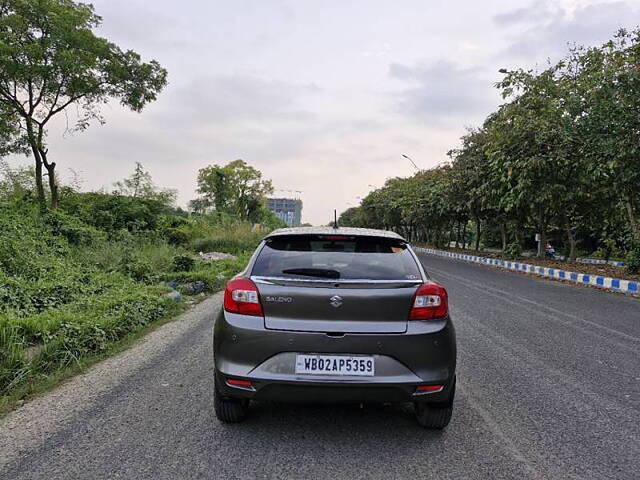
(351, 217)
(50, 61)
(140, 185)
(470, 163)
(610, 80)
(536, 144)
(236, 188)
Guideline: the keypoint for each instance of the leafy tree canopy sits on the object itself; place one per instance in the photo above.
(50, 60)
(236, 188)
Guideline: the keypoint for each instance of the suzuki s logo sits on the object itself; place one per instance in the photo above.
(335, 301)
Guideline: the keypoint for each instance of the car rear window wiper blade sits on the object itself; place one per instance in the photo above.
(313, 272)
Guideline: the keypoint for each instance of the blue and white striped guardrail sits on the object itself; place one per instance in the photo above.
(600, 261)
(626, 286)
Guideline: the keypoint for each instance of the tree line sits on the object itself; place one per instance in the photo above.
(560, 158)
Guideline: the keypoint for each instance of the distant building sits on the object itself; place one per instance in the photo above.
(288, 210)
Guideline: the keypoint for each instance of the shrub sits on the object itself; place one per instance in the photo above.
(27, 248)
(513, 250)
(13, 296)
(75, 231)
(177, 230)
(183, 263)
(632, 260)
(607, 250)
(138, 269)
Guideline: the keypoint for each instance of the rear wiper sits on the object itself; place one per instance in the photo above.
(314, 272)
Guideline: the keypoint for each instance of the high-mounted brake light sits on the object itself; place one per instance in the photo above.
(241, 296)
(430, 301)
(336, 238)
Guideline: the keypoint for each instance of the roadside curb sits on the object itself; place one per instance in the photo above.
(617, 284)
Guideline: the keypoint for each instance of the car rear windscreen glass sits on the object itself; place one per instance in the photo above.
(336, 257)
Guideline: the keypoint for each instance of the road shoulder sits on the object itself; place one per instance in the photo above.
(29, 426)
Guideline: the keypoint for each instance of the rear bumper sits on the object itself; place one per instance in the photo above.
(305, 391)
(245, 350)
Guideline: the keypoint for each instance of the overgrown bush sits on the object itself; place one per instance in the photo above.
(74, 281)
(632, 260)
(115, 212)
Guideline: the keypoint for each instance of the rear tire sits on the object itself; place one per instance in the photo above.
(229, 410)
(435, 415)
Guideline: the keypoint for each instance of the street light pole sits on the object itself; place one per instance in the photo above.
(411, 160)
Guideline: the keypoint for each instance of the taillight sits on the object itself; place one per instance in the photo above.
(430, 301)
(241, 296)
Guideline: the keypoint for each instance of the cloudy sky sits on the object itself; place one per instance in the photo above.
(323, 96)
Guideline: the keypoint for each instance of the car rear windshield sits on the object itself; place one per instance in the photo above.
(336, 257)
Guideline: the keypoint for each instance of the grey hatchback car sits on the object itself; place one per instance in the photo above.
(335, 315)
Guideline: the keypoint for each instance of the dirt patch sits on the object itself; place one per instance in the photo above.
(215, 256)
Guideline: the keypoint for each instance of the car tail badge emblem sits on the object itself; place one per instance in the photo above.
(335, 301)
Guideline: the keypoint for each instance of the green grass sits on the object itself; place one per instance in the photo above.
(42, 383)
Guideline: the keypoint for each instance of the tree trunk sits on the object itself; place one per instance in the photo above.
(53, 186)
(542, 243)
(478, 231)
(631, 214)
(503, 235)
(40, 156)
(572, 240)
(458, 235)
(42, 201)
(464, 235)
(33, 143)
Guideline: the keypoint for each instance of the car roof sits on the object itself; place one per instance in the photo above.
(350, 231)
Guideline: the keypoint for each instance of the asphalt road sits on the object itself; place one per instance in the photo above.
(549, 387)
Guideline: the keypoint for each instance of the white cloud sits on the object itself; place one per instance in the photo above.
(543, 30)
(443, 91)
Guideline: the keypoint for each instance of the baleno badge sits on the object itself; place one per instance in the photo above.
(279, 299)
(335, 301)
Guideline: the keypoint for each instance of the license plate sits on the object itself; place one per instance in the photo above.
(335, 365)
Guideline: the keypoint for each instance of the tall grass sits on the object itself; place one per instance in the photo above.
(234, 238)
